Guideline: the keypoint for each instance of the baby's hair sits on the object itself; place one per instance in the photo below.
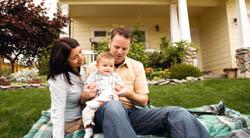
(104, 55)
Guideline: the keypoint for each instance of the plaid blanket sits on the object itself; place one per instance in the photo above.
(220, 121)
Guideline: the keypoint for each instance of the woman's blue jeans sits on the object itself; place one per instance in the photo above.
(115, 121)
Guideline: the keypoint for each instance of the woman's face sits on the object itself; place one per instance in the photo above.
(76, 58)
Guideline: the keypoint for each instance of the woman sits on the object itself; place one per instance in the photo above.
(66, 84)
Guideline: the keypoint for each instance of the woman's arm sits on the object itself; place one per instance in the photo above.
(58, 89)
(88, 93)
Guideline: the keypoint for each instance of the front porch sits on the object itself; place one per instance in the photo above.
(213, 28)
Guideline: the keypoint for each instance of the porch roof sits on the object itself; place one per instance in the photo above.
(133, 8)
(200, 3)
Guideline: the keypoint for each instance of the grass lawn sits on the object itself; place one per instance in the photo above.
(19, 109)
(235, 93)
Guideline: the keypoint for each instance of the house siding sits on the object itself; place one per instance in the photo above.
(82, 28)
(214, 33)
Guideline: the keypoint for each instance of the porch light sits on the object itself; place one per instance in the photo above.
(235, 21)
(157, 28)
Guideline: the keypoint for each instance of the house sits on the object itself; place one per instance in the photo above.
(5, 67)
(217, 27)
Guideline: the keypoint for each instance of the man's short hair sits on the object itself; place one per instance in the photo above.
(104, 55)
(121, 31)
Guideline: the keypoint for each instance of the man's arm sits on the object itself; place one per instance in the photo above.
(138, 99)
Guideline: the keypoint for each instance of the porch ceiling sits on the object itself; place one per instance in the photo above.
(209, 3)
(127, 10)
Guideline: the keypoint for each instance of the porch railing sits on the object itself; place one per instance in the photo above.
(89, 56)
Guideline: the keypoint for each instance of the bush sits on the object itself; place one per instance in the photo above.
(137, 50)
(43, 60)
(181, 71)
(157, 60)
(174, 52)
(157, 74)
(25, 75)
(101, 46)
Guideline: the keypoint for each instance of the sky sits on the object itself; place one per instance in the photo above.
(50, 4)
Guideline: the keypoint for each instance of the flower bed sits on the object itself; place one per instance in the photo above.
(4, 82)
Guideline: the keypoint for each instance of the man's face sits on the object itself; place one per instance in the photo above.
(119, 47)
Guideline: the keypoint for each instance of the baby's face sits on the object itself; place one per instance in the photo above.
(106, 66)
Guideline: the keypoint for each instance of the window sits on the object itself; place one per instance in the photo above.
(100, 33)
(140, 36)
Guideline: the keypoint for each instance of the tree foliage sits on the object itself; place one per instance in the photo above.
(26, 30)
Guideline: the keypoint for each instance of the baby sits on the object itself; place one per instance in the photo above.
(106, 82)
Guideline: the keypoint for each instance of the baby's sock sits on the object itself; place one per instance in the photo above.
(93, 104)
(88, 132)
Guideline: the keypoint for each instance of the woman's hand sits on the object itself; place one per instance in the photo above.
(89, 92)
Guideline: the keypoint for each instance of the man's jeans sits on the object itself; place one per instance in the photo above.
(115, 121)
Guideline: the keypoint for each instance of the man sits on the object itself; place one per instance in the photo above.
(117, 120)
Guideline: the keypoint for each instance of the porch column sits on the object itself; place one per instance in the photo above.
(243, 24)
(183, 20)
(174, 24)
(242, 54)
(191, 57)
(66, 29)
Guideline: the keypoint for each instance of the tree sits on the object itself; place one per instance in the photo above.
(26, 30)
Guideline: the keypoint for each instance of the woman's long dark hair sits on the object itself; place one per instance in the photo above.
(58, 62)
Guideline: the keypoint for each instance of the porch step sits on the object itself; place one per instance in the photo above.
(214, 76)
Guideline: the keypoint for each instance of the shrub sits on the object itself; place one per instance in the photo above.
(137, 50)
(157, 74)
(43, 60)
(174, 52)
(101, 46)
(157, 60)
(165, 73)
(25, 75)
(181, 71)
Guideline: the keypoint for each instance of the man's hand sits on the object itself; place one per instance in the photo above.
(89, 92)
(137, 99)
(121, 90)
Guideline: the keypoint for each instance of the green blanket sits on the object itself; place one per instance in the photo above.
(220, 121)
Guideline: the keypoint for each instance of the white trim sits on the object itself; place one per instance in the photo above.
(174, 24)
(243, 24)
(183, 20)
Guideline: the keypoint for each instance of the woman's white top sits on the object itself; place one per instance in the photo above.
(65, 101)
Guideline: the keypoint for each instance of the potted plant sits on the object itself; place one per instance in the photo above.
(230, 72)
(4, 81)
